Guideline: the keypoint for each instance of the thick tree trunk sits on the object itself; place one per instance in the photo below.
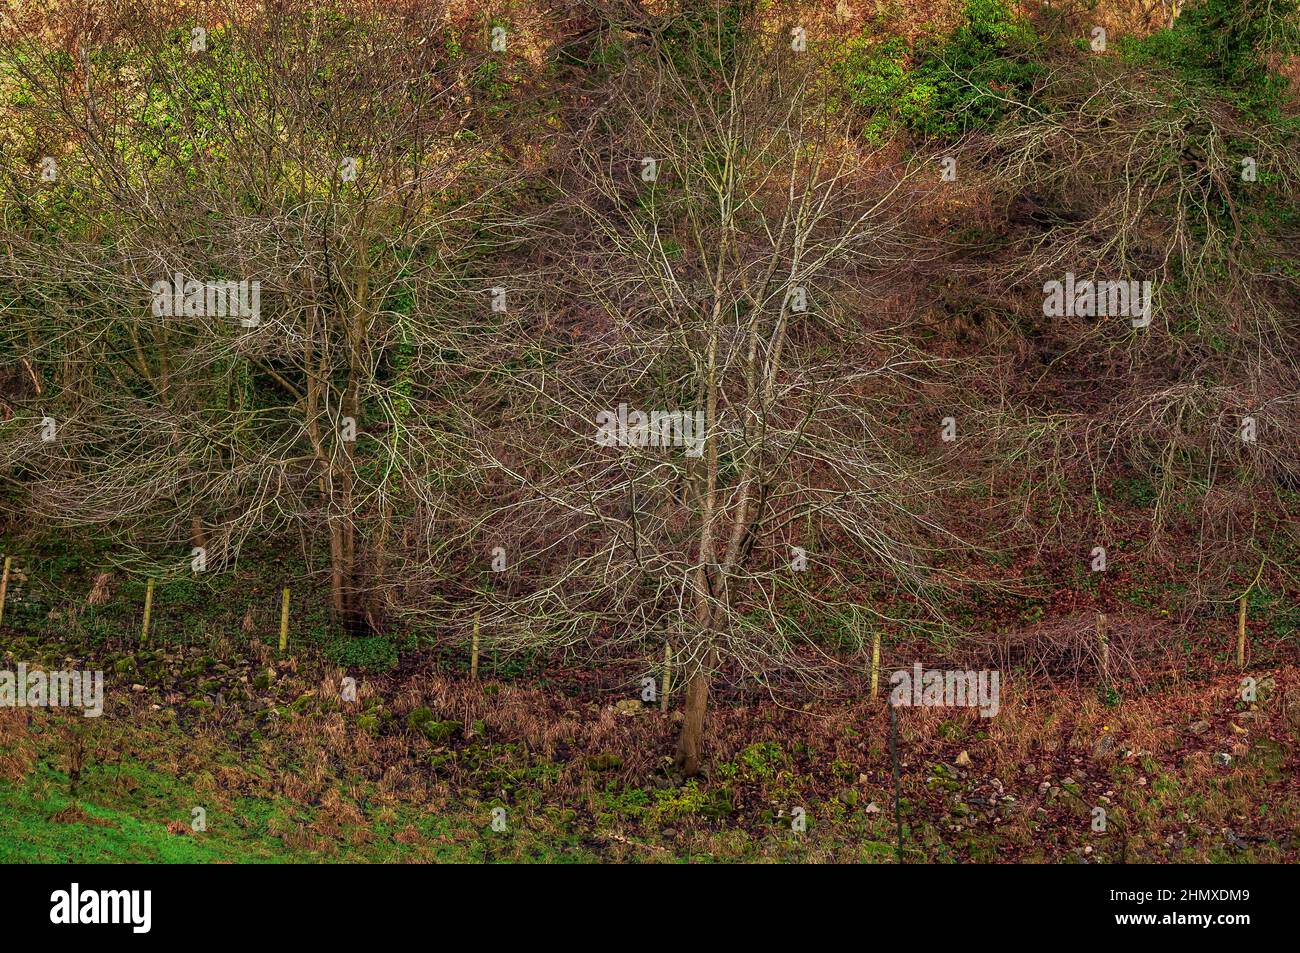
(337, 604)
(690, 744)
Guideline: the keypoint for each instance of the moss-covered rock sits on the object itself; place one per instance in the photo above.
(422, 721)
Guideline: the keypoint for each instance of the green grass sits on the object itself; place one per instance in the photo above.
(113, 831)
(121, 815)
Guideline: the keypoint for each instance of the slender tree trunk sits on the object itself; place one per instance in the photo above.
(316, 392)
(690, 744)
(197, 536)
(358, 595)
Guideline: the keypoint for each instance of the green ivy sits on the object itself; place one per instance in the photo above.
(945, 86)
(1225, 45)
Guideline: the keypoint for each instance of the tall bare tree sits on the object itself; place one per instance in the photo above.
(726, 228)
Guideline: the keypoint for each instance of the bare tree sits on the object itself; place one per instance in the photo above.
(324, 160)
(727, 228)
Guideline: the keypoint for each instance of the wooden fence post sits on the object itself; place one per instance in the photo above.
(1103, 645)
(1241, 616)
(148, 612)
(284, 620)
(1241, 633)
(4, 586)
(875, 664)
(473, 658)
(668, 677)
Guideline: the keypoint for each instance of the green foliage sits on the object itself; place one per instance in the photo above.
(760, 762)
(683, 802)
(421, 721)
(1224, 45)
(1135, 491)
(497, 80)
(945, 86)
(375, 653)
(705, 41)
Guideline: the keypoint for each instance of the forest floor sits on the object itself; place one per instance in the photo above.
(279, 767)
